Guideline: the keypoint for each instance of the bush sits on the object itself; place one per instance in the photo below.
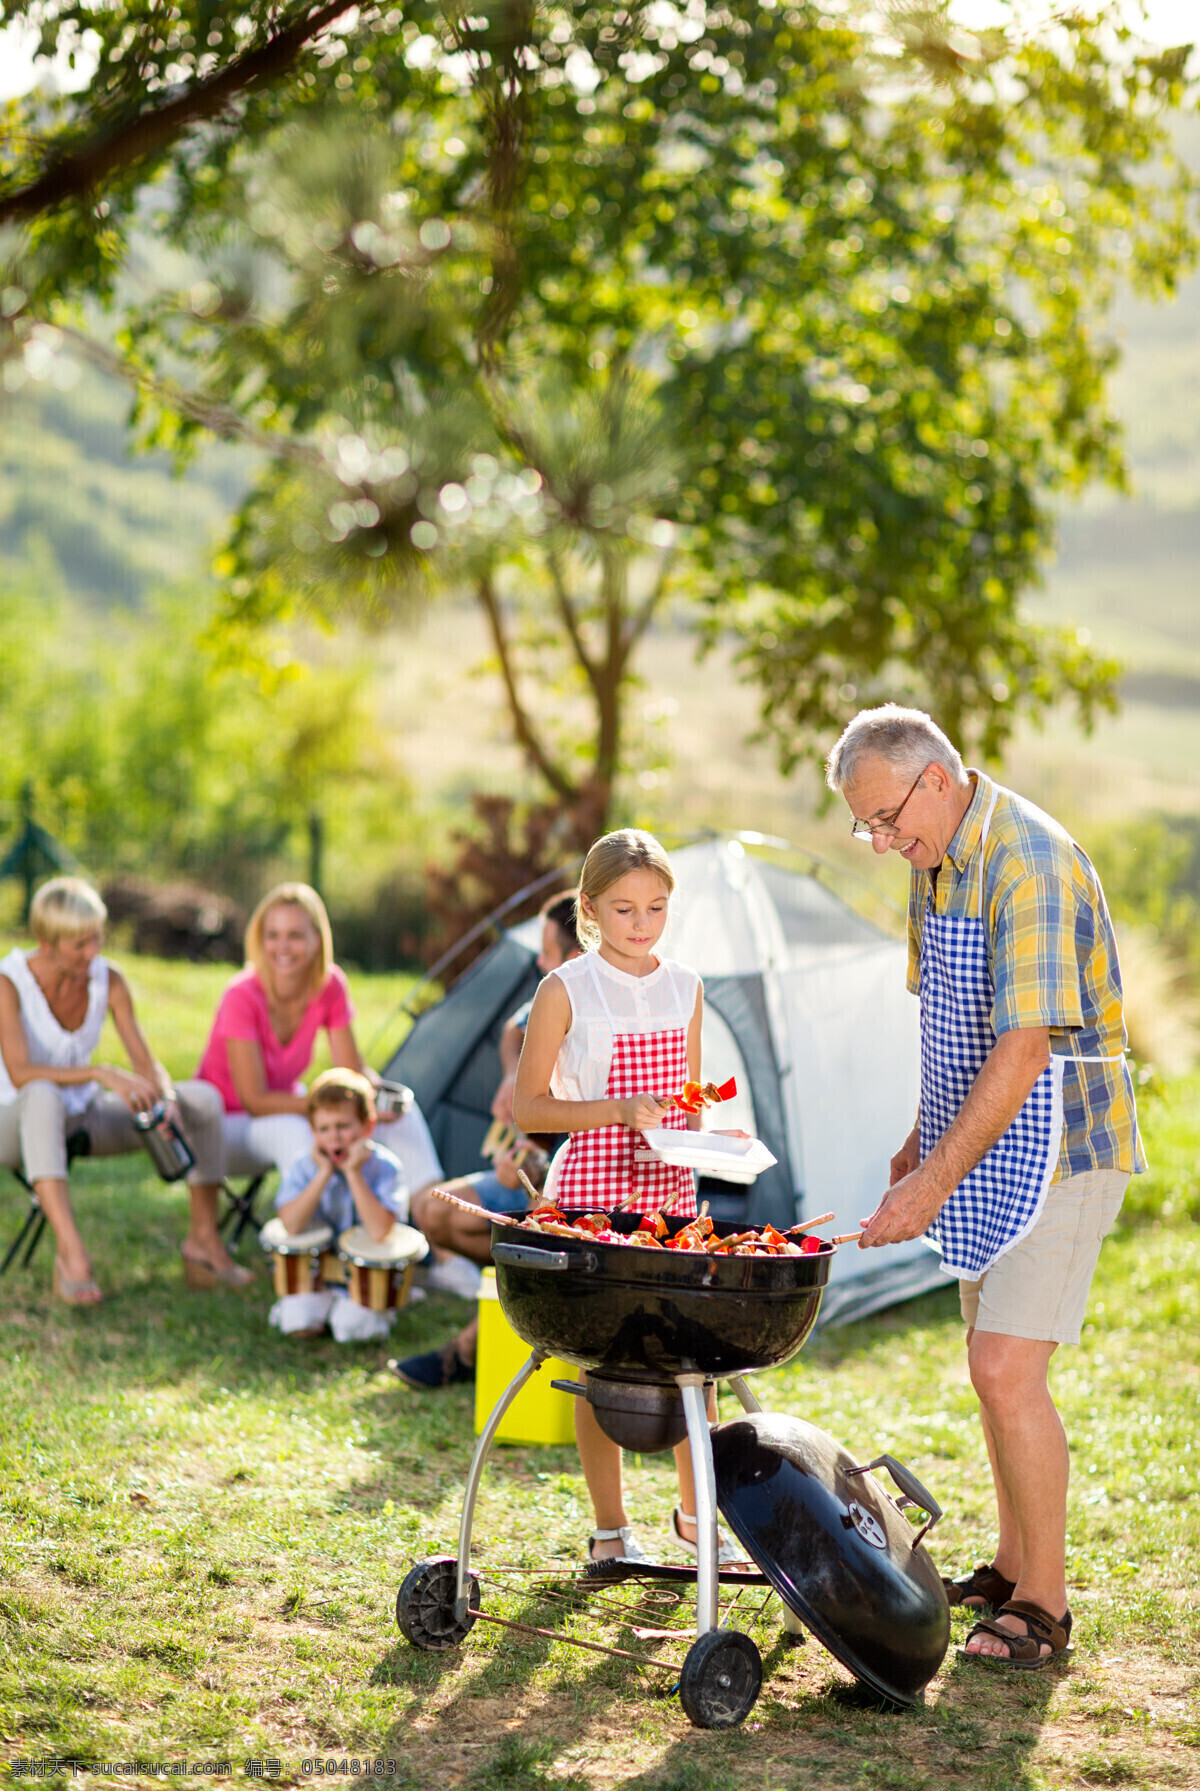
(1169, 1114)
(390, 929)
(1150, 870)
(148, 757)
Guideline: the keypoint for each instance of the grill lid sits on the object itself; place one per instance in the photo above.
(837, 1548)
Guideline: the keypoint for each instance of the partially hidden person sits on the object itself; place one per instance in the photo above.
(494, 1190)
(346, 1179)
(613, 1035)
(1026, 1135)
(53, 1004)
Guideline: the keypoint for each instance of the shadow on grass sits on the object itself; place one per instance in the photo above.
(982, 1730)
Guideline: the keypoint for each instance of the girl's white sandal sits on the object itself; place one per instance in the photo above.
(728, 1553)
(632, 1554)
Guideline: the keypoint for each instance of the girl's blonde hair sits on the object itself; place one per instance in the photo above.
(65, 908)
(610, 859)
(291, 895)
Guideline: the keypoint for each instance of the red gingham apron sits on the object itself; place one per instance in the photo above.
(598, 1169)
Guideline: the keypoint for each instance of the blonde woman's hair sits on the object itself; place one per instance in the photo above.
(65, 908)
(291, 895)
(610, 859)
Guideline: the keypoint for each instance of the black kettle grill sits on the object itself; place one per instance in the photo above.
(654, 1329)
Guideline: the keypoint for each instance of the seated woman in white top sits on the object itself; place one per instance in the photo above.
(53, 1003)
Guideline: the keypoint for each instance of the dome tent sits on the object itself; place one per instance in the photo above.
(805, 1003)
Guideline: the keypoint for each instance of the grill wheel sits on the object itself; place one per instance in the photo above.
(721, 1679)
(425, 1605)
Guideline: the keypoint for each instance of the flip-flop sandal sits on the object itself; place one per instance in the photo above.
(985, 1584)
(1024, 1651)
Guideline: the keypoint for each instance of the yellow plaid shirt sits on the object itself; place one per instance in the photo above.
(1053, 960)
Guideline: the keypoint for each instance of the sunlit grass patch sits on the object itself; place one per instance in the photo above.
(203, 1526)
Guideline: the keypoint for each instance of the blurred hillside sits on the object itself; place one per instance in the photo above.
(89, 517)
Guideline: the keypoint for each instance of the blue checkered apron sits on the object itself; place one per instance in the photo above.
(998, 1201)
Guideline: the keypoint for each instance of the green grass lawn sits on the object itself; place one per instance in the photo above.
(203, 1527)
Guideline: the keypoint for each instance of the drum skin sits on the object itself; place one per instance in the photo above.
(836, 1548)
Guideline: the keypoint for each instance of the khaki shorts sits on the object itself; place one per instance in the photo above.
(1039, 1288)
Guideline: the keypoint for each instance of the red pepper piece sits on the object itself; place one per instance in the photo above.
(810, 1246)
(727, 1090)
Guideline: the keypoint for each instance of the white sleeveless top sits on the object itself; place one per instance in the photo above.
(606, 1001)
(49, 1043)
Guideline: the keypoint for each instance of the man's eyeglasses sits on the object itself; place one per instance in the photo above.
(865, 830)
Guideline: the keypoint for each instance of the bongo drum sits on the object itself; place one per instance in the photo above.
(295, 1256)
(379, 1275)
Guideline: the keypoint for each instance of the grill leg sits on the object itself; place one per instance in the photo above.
(483, 1449)
(745, 1397)
(695, 1407)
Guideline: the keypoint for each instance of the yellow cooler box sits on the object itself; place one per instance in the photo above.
(539, 1413)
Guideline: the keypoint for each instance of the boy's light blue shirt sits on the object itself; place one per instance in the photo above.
(381, 1172)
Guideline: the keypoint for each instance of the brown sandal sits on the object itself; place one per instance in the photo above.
(985, 1585)
(1024, 1651)
(202, 1275)
(74, 1293)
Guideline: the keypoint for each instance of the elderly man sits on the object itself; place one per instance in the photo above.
(1027, 1131)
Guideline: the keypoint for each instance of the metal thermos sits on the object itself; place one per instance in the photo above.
(166, 1145)
(392, 1100)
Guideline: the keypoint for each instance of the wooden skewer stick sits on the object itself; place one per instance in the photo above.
(809, 1224)
(464, 1206)
(528, 1186)
(847, 1237)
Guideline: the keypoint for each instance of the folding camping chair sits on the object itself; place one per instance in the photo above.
(239, 1216)
(251, 1171)
(78, 1145)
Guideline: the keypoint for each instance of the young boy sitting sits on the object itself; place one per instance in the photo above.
(346, 1180)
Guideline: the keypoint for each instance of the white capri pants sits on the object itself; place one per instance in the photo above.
(34, 1128)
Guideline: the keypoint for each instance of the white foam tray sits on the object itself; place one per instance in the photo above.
(708, 1153)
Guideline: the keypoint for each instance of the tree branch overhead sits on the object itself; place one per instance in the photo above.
(78, 175)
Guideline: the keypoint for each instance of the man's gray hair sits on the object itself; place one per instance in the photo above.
(906, 738)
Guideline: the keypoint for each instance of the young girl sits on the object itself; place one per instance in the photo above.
(613, 1034)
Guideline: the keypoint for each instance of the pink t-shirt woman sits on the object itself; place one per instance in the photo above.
(244, 1012)
(265, 1032)
(266, 1027)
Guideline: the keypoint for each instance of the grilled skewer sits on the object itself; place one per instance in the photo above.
(809, 1224)
(464, 1206)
